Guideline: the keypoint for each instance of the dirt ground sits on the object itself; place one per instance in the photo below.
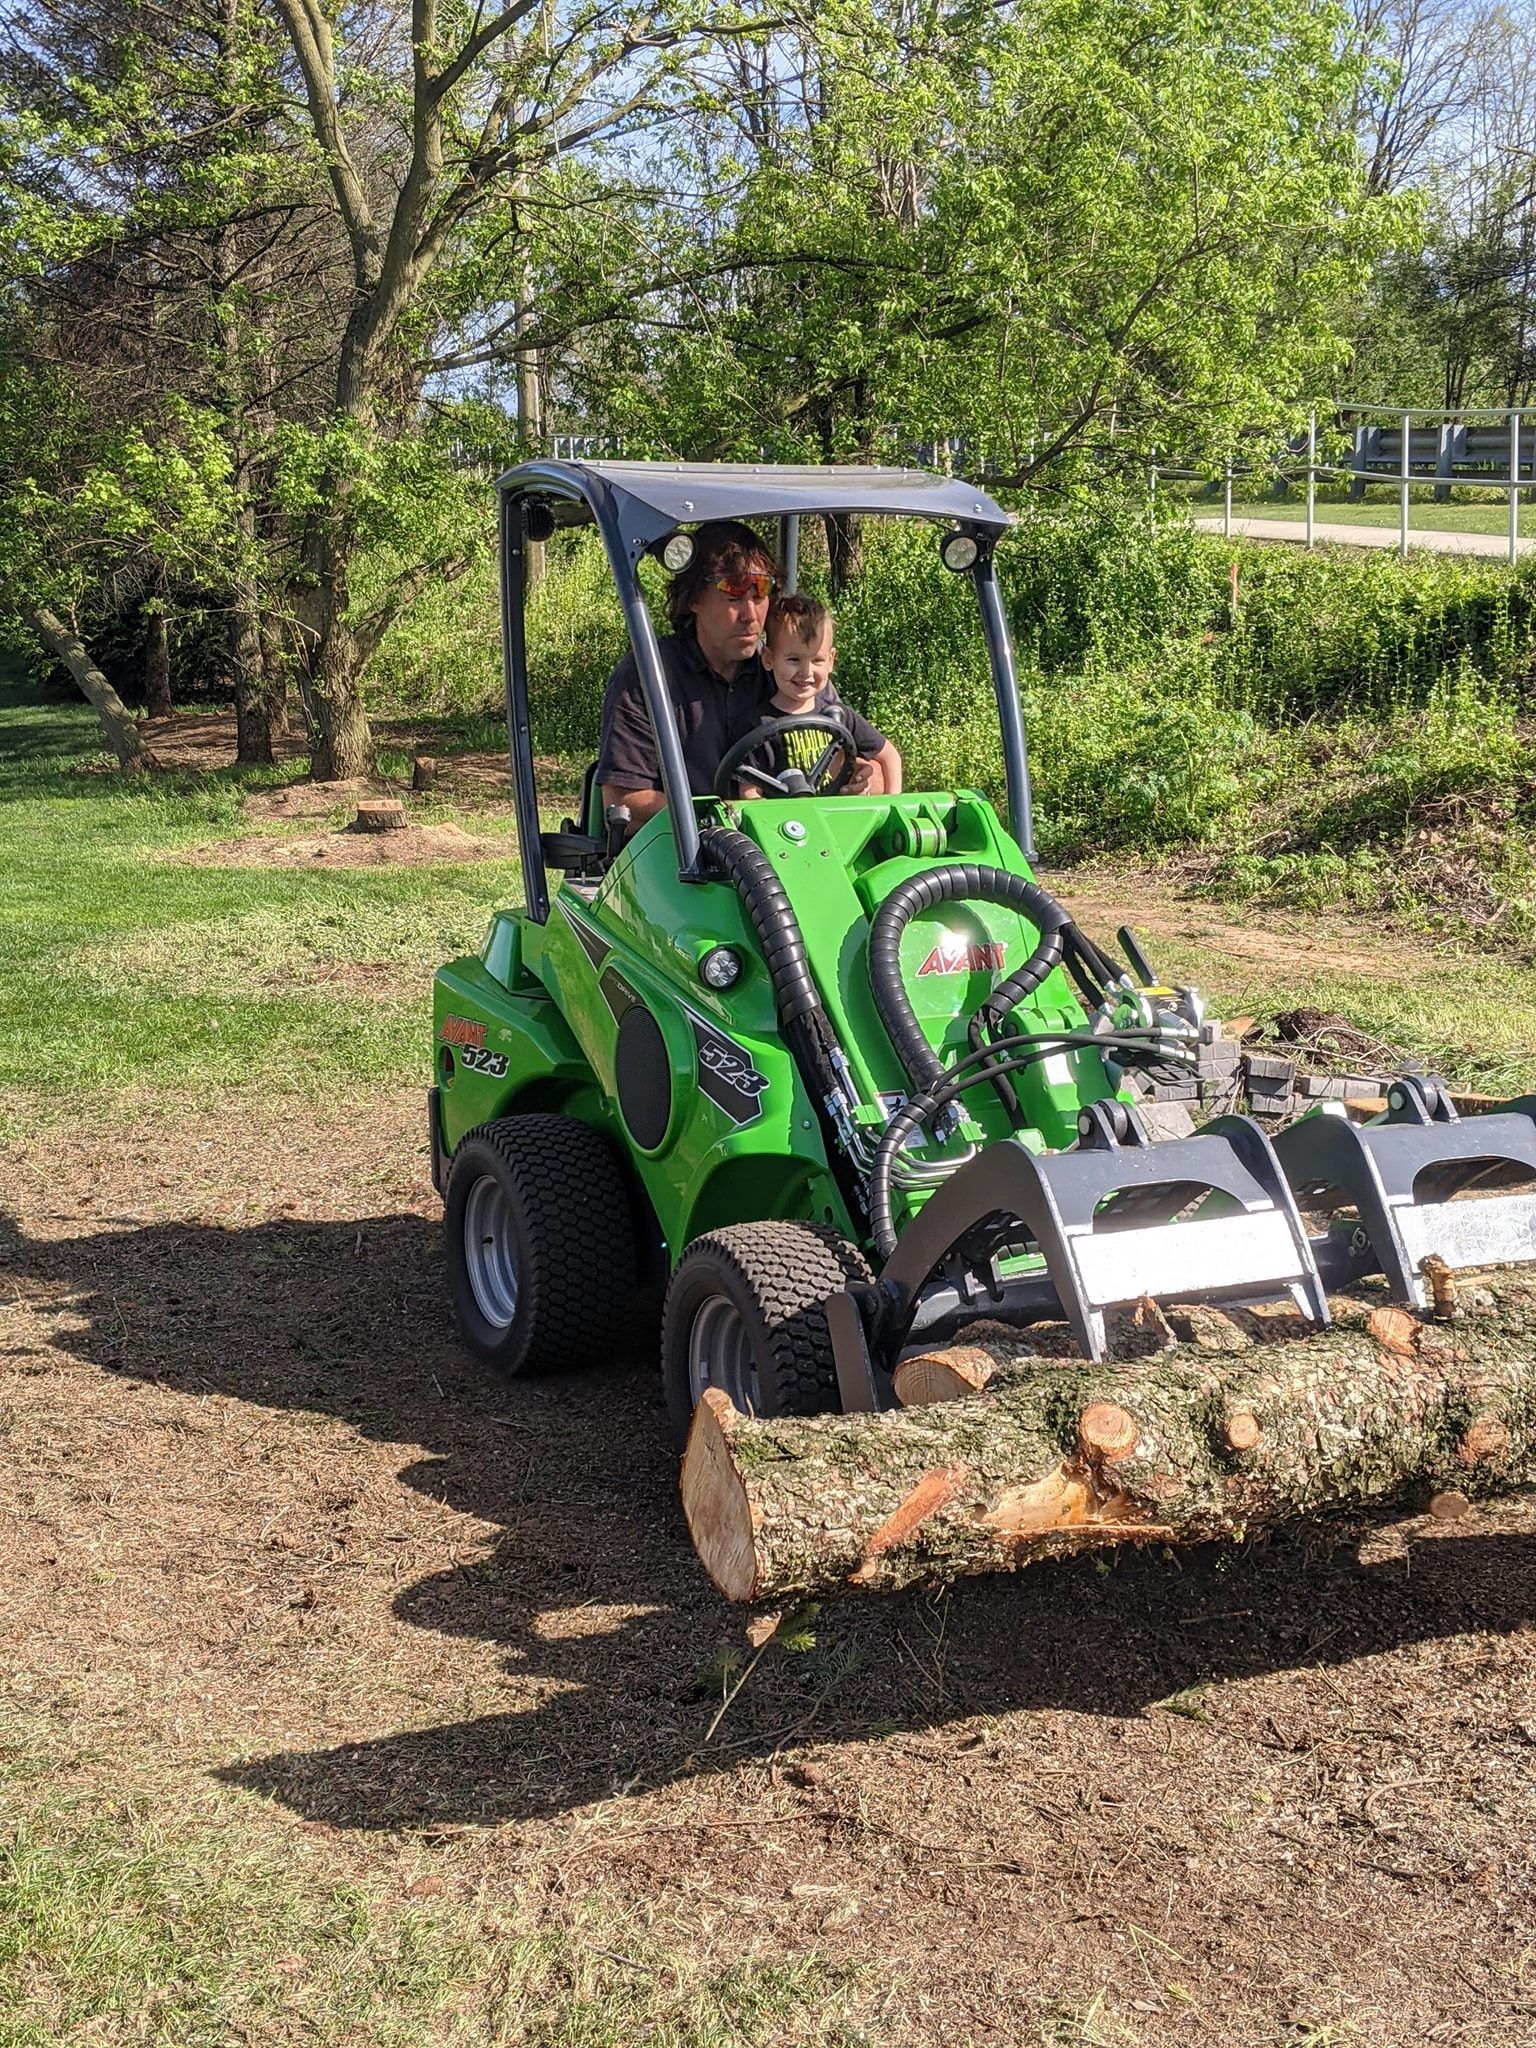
(268, 1526)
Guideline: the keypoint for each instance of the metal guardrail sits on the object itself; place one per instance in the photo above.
(1451, 453)
(1457, 450)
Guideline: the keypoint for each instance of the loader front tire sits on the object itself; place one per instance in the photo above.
(745, 1314)
(541, 1244)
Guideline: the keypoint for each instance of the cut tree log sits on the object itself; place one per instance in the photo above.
(1253, 1420)
(381, 814)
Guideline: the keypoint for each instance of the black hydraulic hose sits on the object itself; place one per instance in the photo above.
(807, 1028)
(956, 882)
(1005, 1055)
(772, 915)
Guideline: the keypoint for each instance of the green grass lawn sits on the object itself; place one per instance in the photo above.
(131, 1923)
(1379, 507)
(131, 970)
(139, 975)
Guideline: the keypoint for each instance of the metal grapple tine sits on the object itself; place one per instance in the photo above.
(1256, 1246)
(1377, 1167)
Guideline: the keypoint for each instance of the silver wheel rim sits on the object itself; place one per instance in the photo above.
(490, 1252)
(720, 1355)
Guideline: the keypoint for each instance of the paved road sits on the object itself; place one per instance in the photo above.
(1369, 536)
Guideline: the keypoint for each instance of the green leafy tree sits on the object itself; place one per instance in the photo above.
(1062, 229)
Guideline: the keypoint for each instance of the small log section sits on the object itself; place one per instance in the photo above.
(1012, 1448)
(381, 814)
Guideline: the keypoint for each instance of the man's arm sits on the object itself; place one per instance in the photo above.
(643, 803)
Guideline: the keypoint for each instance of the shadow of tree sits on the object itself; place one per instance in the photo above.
(593, 1595)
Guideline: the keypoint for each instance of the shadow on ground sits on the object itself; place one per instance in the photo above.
(349, 1319)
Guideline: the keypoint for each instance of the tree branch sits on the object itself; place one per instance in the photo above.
(310, 35)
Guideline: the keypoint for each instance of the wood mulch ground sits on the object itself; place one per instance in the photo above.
(267, 1526)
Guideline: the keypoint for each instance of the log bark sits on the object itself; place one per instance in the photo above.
(1251, 1420)
(117, 724)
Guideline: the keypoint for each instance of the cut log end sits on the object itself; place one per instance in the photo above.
(941, 1376)
(1485, 1443)
(1240, 1431)
(1106, 1432)
(715, 1503)
(1395, 1330)
(1450, 1506)
(385, 814)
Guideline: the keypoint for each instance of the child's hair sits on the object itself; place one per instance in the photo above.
(793, 612)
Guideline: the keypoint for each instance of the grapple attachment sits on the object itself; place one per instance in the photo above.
(1409, 1178)
(1117, 1218)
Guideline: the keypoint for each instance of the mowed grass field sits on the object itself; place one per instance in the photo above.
(349, 1697)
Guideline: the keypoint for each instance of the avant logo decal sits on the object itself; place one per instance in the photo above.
(462, 1031)
(955, 956)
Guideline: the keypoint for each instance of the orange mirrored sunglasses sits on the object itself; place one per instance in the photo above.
(738, 587)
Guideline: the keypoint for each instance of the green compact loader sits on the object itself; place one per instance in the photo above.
(840, 1076)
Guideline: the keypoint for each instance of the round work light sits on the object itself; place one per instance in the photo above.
(958, 551)
(720, 968)
(538, 519)
(677, 553)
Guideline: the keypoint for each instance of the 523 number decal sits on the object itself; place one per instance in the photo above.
(479, 1061)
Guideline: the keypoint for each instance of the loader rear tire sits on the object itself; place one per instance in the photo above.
(744, 1313)
(541, 1244)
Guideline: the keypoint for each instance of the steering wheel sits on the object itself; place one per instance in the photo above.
(817, 780)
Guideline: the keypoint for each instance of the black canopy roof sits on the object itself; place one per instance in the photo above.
(649, 499)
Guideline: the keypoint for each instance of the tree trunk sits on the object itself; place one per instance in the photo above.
(157, 667)
(331, 661)
(343, 741)
(253, 725)
(1237, 1421)
(117, 725)
(276, 665)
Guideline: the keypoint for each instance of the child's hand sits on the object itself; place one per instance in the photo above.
(863, 775)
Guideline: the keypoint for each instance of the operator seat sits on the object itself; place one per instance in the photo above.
(580, 849)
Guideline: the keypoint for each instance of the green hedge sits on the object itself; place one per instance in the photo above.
(1162, 669)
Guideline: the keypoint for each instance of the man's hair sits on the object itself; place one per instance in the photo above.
(721, 547)
(793, 612)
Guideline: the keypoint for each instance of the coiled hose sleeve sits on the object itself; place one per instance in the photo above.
(956, 882)
(735, 856)
(807, 1029)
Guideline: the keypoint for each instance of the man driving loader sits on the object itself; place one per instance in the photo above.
(719, 688)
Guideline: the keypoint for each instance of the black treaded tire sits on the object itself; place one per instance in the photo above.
(776, 1276)
(551, 1189)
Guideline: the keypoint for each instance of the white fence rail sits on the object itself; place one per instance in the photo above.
(1407, 446)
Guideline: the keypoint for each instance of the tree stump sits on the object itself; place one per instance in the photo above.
(1251, 1420)
(380, 814)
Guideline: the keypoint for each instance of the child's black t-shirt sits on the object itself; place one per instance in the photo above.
(803, 750)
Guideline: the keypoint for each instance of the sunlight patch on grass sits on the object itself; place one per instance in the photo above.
(122, 1921)
(129, 970)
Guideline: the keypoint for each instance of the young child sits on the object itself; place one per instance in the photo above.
(800, 654)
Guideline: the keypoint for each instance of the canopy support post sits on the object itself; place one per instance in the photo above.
(789, 549)
(514, 662)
